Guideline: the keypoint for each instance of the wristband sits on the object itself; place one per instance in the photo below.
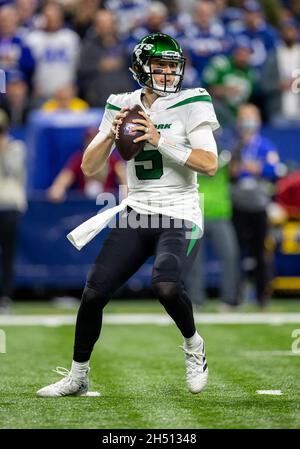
(175, 151)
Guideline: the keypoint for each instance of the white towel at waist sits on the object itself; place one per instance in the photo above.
(85, 232)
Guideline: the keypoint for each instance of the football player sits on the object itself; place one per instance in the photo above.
(177, 127)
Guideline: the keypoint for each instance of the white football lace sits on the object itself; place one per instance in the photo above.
(61, 371)
(194, 360)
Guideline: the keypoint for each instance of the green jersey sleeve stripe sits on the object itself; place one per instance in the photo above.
(112, 106)
(192, 100)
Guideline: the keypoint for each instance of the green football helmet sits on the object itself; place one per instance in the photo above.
(162, 47)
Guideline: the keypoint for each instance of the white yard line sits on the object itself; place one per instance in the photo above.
(270, 392)
(159, 319)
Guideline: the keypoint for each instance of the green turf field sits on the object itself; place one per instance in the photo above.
(139, 371)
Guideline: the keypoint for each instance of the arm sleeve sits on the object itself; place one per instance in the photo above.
(202, 138)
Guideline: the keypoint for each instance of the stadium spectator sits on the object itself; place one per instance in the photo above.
(230, 80)
(293, 8)
(71, 176)
(187, 6)
(157, 17)
(103, 66)
(273, 10)
(129, 13)
(155, 21)
(280, 74)
(55, 50)
(174, 9)
(14, 53)
(220, 233)
(16, 101)
(12, 204)
(255, 164)
(262, 36)
(288, 194)
(231, 16)
(191, 78)
(205, 36)
(83, 15)
(29, 19)
(65, 99)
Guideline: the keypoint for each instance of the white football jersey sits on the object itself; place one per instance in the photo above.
(157, 184)
(56, 56)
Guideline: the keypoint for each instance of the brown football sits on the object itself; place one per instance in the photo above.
(125, 135)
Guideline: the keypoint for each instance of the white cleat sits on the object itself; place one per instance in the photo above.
(68, 386)
(196, 368)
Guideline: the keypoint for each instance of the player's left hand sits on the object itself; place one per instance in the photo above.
(146, 125)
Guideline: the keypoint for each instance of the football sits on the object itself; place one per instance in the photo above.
(125, 135)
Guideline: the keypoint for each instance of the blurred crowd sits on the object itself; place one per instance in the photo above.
(72, 54)
(75, 53)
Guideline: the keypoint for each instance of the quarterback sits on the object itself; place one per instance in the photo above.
(177, 126)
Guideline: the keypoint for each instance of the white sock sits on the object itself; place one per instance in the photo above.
(193, 342)
(80, 369)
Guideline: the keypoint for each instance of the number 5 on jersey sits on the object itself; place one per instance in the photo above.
(149, 165)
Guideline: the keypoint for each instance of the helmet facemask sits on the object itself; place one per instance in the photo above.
(177, 64)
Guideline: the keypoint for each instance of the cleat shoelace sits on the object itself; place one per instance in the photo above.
(195, 362)
(67, 377)
(61, 371)
(67, 381)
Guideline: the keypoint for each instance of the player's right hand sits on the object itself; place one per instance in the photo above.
(118, 121)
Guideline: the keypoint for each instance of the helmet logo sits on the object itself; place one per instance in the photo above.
(138, 50)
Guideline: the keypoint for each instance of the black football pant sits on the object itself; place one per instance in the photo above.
(123, 252)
